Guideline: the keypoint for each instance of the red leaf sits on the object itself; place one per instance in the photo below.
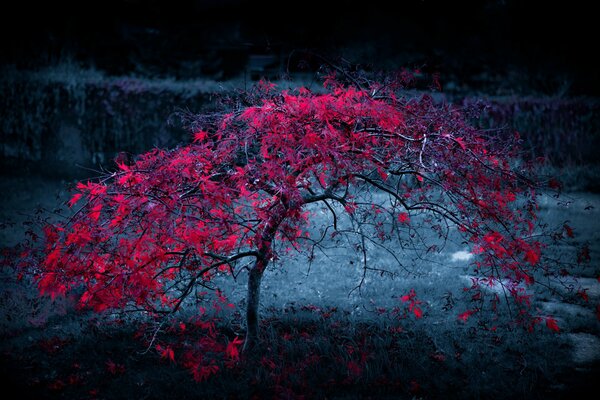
(49, 285)
(233, 348)
(322, 179)
(403, 218)
(552, 325)
(569, 231)
(166, 352)
(532, 256)
(350, 207)
(461, 142)
(200, 136)
(310, 139)
(264, 152)
(75, 199)
(418, 312)
(226, 244)
(266, 86)
(465, 316)
(382, 174)
(95, 212)
(510, 196)
(407, 297)
(123, 167)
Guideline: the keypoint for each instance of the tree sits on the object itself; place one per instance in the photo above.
(148, 235)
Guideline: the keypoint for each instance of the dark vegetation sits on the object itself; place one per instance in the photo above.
(312, 353)
(66, 116)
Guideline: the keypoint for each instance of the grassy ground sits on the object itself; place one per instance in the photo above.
(322, 339)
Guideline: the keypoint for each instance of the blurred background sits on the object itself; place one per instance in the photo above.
(474, 44)
(83, 81)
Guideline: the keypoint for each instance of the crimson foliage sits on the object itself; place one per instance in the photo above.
(149, 235)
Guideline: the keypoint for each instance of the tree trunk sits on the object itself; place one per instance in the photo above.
(253, 298)
(265, 252)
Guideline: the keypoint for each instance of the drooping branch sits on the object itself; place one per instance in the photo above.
(154, 231)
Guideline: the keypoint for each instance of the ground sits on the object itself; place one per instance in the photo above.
(323, 339)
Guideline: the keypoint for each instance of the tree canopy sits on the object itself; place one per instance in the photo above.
(149, 235)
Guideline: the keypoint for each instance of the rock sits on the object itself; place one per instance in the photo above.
(563, 310)
(461, 255)
(586, 347)
(591, 286)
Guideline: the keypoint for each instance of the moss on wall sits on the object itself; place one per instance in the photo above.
(63, 121)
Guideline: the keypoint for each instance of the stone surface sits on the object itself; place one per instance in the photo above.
(586, 347)
(560, 309)
(461, 255)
